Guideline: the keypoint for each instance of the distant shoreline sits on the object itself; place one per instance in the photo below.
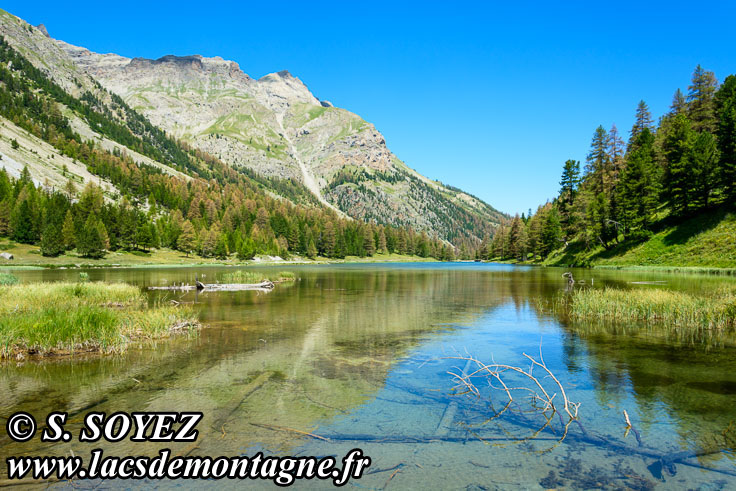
(28, 257)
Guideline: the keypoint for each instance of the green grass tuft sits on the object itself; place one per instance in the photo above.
(7, 279)
(674, 309)
(67, 317)
(252, 277)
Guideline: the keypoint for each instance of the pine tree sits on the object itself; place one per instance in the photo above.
(68, 233)
(700, 100)
(639, 188)
(89, 242)
(143, 236)
(642, 121)
(52, 243)
(551, 232)
(568, 191)
(517, 239)
(5, 207)
(311, 249)
(128, 226)
(22, 223)
(247, 250)
(598, 161)
(679, 104)
(499, 244)
(221, 249)
(615, 155)
(91, 200)
(104, 237)
(703, 162)
(677, 146)
(534, 233)
(725, 106)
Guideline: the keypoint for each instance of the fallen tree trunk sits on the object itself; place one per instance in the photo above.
(264, 286)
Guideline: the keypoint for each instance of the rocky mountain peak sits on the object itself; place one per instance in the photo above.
(284, 85)
(43, 30)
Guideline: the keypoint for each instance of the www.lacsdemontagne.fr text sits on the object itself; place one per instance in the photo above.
(283, 471)
(161, 427)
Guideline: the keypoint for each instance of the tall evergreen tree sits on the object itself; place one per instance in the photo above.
(597, 163)
(89, 242)
(703, 160)
(677, 147)
(700, 107)
(22, 223)
(52, 243)
(569, 183)
(68, 232)
(639, 187)
(369, 244)
(725, 106)
(551, 232)
(679, 104)
(642, 121)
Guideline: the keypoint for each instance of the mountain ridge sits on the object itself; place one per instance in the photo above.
(272, 125)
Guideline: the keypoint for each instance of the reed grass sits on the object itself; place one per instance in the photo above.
(7, 279)
(717, 310)
(48, 318)
(672, 269)
(243, 276)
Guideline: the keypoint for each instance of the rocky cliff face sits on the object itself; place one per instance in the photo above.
(273, 125)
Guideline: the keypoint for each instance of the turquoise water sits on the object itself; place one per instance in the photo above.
(360, 355)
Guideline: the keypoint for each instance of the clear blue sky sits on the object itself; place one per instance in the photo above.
(489, 97)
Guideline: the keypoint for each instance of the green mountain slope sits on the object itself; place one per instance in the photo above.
(705, 241)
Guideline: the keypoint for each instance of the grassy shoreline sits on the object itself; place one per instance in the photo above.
(44, 319)
(29, 257)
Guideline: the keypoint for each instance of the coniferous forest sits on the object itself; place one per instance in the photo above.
(666, 172)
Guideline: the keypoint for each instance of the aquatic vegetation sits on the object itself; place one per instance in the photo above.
(7, 279)
(48, 318)
(243, 276)
(675, 309)
(285, 276)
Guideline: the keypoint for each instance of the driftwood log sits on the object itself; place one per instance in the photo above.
(264, 286)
